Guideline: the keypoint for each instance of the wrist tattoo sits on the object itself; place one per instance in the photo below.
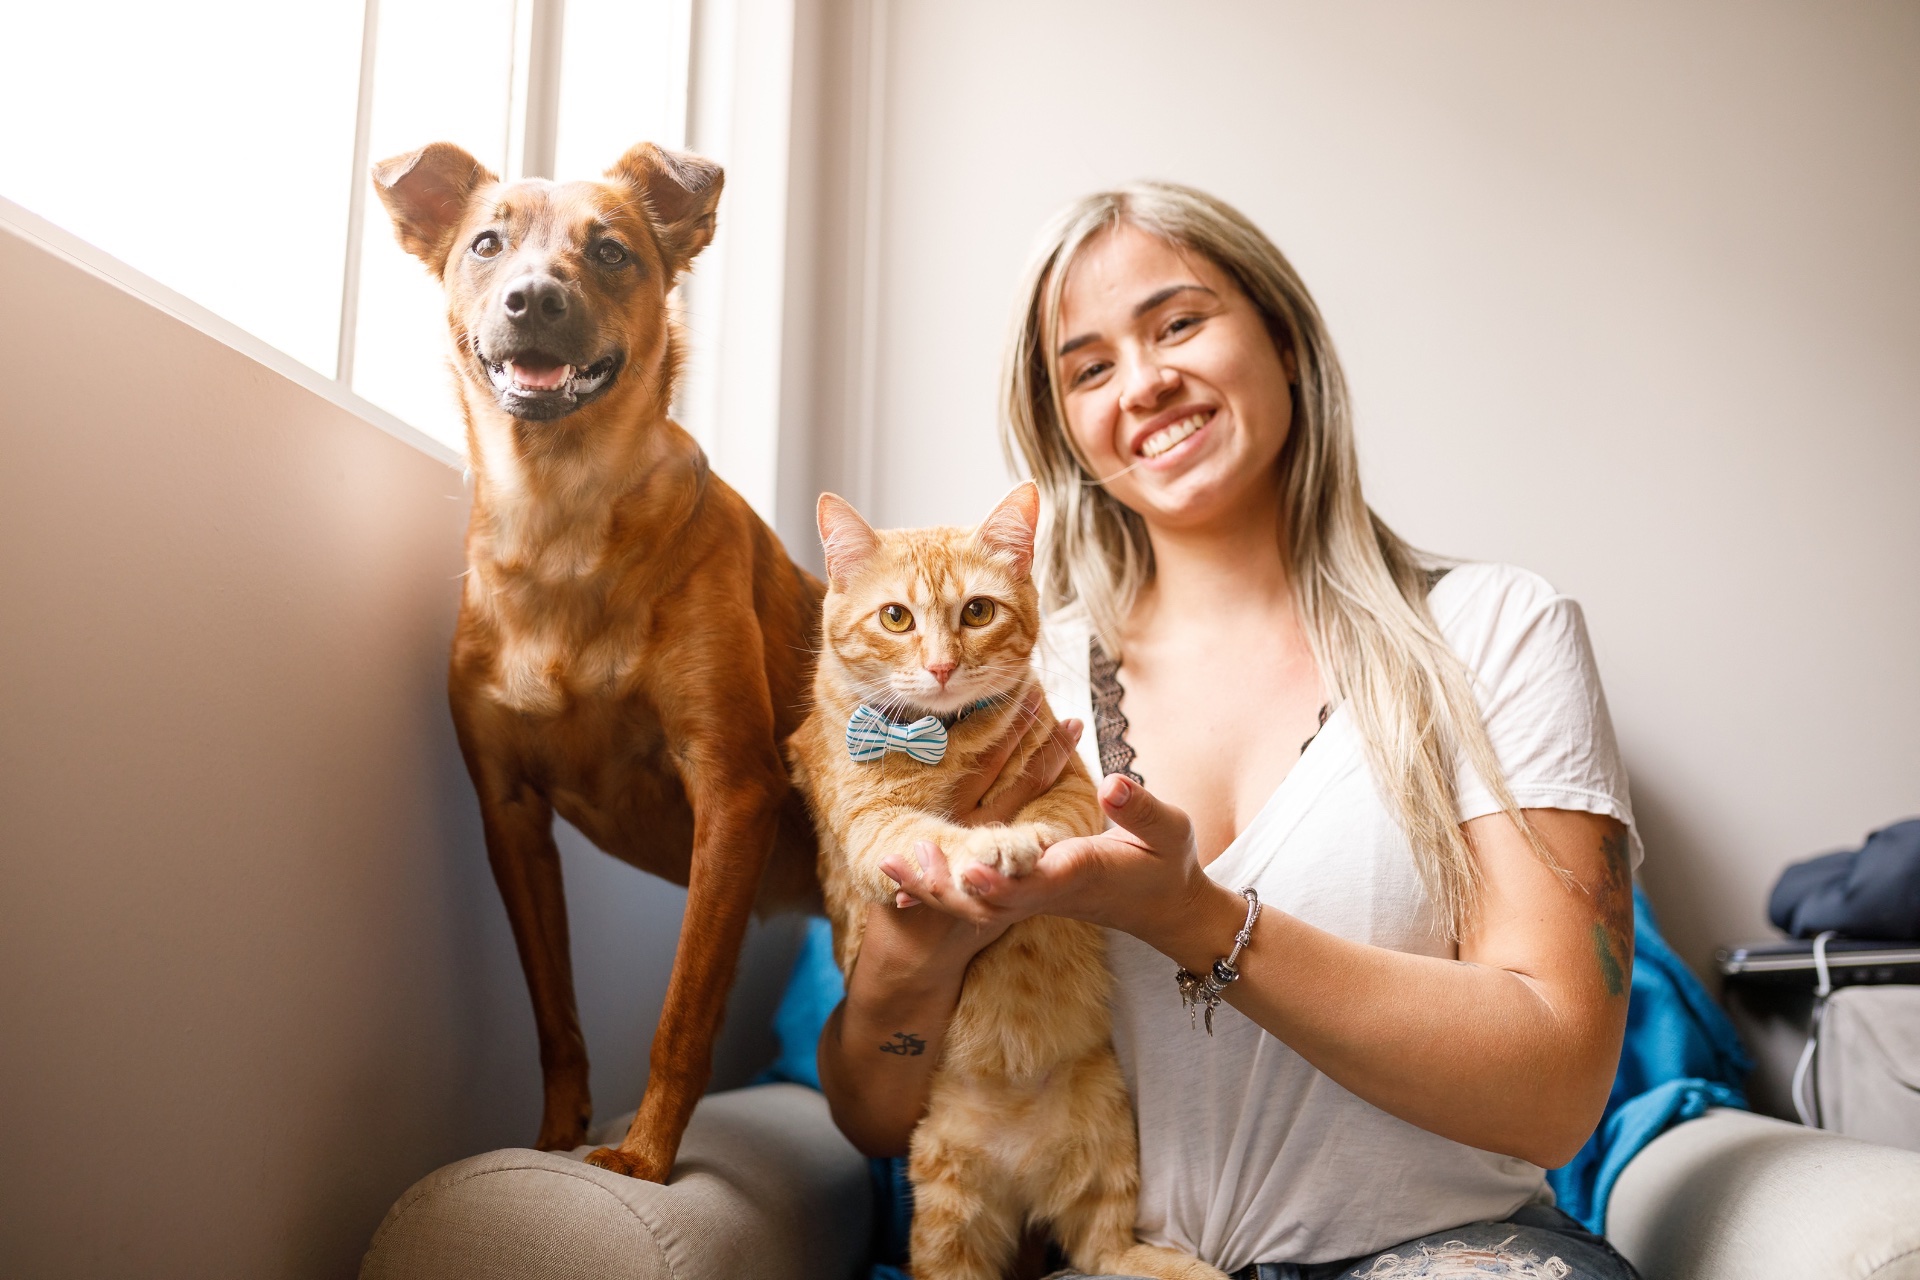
(905, 1044)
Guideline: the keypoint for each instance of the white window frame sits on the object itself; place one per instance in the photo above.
(739, 84)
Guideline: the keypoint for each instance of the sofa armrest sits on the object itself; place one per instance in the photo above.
(764, 1186)
(1735, 1196)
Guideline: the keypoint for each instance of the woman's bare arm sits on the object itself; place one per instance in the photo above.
(1512, 1048)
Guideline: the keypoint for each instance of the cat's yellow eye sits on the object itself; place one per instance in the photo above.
(895, 618)
(978, 612)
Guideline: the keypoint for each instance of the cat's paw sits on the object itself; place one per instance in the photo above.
(1011, 851)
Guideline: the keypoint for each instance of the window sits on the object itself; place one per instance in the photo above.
(222, 147)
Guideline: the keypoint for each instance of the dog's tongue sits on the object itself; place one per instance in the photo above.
(540, 377)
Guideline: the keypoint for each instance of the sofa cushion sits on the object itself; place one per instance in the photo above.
(1735, 1196)
(765, 1185)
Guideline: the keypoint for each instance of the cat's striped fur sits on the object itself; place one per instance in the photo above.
(1028, 1121)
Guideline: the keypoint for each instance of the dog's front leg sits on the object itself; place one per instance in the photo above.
(526, 867)
(736, 785)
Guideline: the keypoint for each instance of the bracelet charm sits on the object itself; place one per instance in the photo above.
(1201, 993)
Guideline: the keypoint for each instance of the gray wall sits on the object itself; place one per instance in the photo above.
(254, 976)
(1629, 294)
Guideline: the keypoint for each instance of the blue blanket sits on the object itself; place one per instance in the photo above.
(1681, 1056)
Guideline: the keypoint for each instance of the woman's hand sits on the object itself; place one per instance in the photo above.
(970, 807)
(1141, 876)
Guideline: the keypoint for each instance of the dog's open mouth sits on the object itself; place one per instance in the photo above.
(538, 386)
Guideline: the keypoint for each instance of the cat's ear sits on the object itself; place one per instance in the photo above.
(1010, 529)
(848, 540)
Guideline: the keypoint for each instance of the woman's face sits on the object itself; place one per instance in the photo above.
(1173, 387)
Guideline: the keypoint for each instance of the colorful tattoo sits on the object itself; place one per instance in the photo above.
(1613, 932)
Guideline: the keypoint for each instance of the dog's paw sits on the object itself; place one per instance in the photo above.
(615, 1160)
(1011, 851)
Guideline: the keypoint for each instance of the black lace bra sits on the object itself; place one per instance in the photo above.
(1110, 722)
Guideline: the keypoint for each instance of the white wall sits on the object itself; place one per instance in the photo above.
(1629, 295)
(254, 975)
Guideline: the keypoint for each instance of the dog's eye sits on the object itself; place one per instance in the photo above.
(486, 244)
(610, 252)
(895, 618)
(978, 612)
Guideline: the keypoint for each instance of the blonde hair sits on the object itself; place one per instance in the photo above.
(1361, 590)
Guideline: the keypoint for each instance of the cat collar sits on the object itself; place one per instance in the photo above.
(870, 735)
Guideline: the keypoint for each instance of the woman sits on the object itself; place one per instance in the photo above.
(1410, 768)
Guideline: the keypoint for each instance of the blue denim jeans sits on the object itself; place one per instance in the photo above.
(1536, 1243)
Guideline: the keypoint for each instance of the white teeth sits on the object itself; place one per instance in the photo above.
(577, 382)
(1167, 437)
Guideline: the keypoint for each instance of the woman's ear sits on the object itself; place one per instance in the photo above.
(1010, 529)
(848, 540)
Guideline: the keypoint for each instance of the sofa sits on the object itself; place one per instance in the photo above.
(766, 1187)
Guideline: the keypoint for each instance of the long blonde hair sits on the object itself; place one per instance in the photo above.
(1361, 591)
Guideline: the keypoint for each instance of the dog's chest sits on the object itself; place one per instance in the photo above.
(553, 639)
(543, 672)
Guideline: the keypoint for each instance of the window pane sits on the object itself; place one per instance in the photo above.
(622, 80)
(443, 73)
(207, 143)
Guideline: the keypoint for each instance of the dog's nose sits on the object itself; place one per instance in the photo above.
(535, 298)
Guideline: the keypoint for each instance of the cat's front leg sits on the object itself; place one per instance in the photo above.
(892, 833)
(1010, 850)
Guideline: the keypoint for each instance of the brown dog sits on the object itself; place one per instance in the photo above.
(633, 642)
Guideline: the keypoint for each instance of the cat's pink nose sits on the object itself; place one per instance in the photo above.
(940, 671)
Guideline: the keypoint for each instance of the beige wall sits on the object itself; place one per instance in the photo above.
(1629, 295)
(254, 976)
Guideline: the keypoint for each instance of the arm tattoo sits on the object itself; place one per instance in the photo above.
(905, 1044)
(1613, 931)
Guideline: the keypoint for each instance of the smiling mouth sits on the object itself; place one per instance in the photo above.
(1172, 434)
(537, 386)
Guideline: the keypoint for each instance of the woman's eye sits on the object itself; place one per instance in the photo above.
(1181, 325)
(486, 244)
(1088, 372)
(895, 618)
(611, 253)
(978, 612)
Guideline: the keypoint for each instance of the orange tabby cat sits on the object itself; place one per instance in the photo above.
(927, 643)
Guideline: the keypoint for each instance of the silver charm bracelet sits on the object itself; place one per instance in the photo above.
(1198, 992)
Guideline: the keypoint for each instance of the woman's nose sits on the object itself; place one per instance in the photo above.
(1146, 385)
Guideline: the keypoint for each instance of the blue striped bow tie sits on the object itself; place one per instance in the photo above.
(871, 735)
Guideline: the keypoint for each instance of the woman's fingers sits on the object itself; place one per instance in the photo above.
(978, 895)
(915, 873)
(1042, 770)
(986, 770)
(1152, 821)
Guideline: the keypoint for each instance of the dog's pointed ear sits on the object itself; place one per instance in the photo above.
(848, 540)
(681, 191)
(426, 193)
(1011, 526)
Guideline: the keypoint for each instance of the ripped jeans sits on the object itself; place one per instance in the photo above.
(1537, 1243)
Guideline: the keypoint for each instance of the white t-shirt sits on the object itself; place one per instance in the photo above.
(1247, 1153)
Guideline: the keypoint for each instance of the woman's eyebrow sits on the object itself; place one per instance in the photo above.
(1159, 296)
(1168, 292)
